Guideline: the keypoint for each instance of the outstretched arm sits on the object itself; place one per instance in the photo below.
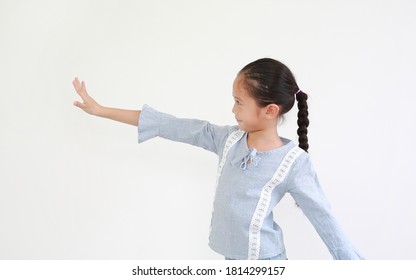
(90, 106)
(305, 188)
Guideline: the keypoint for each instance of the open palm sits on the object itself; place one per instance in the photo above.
(89, 105)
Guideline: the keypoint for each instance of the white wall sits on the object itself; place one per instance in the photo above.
(77, 187)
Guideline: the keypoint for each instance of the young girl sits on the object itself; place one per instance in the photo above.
(256, 166)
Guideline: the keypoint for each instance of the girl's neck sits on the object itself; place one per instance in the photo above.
(264, 140)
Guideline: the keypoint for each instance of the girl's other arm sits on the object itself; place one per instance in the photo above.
(308, 194)
(90, 106)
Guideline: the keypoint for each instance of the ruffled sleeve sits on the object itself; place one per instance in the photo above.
(148, 127)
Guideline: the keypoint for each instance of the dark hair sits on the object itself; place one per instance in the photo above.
(271, 82)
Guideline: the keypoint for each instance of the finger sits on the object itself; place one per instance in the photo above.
(76, 83)
(80, 88)
(84, 88)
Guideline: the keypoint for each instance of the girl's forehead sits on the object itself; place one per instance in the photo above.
(239, 88)
(239, 79)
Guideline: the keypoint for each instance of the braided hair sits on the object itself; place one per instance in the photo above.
(303, 121)
(271, 82)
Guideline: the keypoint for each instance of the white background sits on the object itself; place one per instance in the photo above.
(73, 186)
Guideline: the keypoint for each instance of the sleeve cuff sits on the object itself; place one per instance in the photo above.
(348, 253)
(149, 124)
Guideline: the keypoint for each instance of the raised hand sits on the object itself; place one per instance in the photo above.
(89, 105)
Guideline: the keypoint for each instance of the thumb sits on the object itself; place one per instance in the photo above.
(79, 104)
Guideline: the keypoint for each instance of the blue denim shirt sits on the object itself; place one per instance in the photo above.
(244, 175)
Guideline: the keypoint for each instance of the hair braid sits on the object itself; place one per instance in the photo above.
(303, 121)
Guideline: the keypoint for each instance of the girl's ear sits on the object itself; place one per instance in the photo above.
(272, 111)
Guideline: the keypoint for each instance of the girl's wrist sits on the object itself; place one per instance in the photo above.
(100, 111)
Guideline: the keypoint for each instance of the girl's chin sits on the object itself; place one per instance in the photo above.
(241, 126)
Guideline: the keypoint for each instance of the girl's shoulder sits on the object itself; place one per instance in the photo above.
(303, 169)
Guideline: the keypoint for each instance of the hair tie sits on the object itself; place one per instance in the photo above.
(297, 91)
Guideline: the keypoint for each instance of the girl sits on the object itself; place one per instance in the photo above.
(256, 166)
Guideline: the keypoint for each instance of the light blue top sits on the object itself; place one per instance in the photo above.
(243, 176)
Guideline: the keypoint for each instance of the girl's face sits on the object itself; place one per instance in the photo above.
(250, 117)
